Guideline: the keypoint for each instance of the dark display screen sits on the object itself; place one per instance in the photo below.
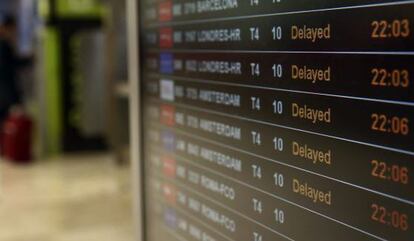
(268, 120)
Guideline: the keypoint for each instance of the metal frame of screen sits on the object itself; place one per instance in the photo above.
(135, 117)
(345, 188)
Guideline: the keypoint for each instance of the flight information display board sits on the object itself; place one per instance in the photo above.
(268, 120)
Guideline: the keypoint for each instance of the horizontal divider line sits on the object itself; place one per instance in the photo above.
(404, 53)
(288, 128)
(189, 79)
(198, 21)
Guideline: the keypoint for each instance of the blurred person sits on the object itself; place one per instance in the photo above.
(9, 63)
(15, 126)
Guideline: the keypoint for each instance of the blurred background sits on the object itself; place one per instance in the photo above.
(64, 137)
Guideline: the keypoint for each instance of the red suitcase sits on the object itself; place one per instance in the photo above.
(17, 137)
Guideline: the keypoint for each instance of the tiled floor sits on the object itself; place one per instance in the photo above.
(80, 198)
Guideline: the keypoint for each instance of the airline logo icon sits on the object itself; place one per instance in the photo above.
(166, 38)
(169, 167)
(166, 63)
(165, 11)
(167, 90)
(168, 140)
(170, 218)
(168, 115)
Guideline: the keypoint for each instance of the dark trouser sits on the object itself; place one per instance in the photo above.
(3, 116)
